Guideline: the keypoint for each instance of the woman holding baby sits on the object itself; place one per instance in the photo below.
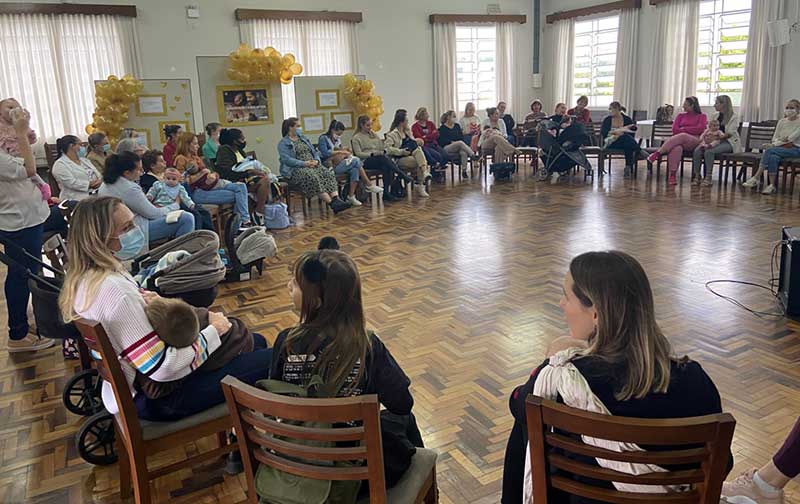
(720, 137)
(617, 131)
(173, 381)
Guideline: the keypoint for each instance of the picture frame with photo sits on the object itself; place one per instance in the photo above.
(345, 117)
(151, 105)
(244, 105)
(144, 132)
(312, 123)
(162, 124)
(327, 99)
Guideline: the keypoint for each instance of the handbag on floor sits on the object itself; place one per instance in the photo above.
(502, 171)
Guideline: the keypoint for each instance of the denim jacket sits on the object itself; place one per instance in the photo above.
(327, 146)
(288, 159)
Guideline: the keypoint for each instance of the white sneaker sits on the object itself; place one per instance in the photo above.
(353, 201)
(751, 182)
(770, 189)
(375, 188)
(554, 178)
(421, 192)
(30, 343)
(744, 489)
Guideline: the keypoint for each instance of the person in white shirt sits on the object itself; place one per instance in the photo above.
(22, 213)
(785, 144)
(76, 175)
(97, 287)
(494, 120)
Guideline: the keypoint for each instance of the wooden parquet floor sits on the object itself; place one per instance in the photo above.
(464, 290)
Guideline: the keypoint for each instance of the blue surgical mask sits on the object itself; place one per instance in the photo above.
(82, 151)
(107, 148)
(299, 131)
(131, 243)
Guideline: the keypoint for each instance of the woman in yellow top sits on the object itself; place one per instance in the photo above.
(205, 186)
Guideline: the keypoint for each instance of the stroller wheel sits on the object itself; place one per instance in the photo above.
(542, 174)
(82, 393)
(95, 439)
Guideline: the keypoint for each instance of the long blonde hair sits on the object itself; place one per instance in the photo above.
(90, 259)
(627, 334)
(727, 110)
(331, 318)
(184, 141)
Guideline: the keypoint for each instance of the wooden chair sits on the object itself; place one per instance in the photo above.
(596, 146)
(789, 167)
(137, 439)
(50, 154)
(639, 115)
(659, 133)
(705, 442)
(264, 440)
(758, 134)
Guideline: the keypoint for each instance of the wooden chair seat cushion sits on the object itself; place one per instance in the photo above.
(155, 430)
(412, 482)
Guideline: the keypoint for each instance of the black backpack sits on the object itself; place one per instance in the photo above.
(398, 189)
(502, 171)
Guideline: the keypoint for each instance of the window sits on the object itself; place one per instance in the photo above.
(50, 63)
(595, 57)
(476, 79)
(721, 49)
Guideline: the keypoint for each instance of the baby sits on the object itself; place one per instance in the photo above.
(712, 136)
(178, 323)
(167, 192)
(9, 142)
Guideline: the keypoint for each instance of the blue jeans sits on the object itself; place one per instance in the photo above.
(159, 229)
(201, 391)
(353, 169)
(774, 155)
(234, 193)
(16, 286)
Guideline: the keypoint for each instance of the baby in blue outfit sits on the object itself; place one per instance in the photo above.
(168, 191)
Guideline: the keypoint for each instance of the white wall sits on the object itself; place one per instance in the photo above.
(395, 40)
(647, 22)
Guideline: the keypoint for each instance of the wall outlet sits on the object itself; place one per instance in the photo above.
(193, 12)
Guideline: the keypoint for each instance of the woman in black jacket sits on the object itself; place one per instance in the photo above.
(617, 132)
(230, 153)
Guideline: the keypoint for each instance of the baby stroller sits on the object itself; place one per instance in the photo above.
(193, 278)
(561, 152)
(81, 394)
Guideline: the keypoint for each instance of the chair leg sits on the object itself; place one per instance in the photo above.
(125, 488)
(141, 481)
(432, 497)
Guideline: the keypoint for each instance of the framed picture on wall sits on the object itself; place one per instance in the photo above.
(346, 118)
(327, 98)
(244, 105)
(144, 132)
(151, 105)
(162, 124)
(312, 123)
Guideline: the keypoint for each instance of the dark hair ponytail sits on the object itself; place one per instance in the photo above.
(334, 126)
(117, 164)
(64, 143)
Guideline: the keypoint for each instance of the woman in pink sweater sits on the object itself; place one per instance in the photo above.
(686, 131)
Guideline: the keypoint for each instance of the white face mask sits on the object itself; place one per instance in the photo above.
(790, 112)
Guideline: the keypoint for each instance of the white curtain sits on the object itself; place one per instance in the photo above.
(761, 93)
(50, 62)
(625, 77)
(563, 40)
(444, 68)
(322, 47)
(674, 69)
(507, 69)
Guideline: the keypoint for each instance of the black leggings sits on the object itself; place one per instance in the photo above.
(628, 144)
(384, 164)
(514, 465)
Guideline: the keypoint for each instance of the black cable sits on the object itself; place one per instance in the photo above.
(771, 287)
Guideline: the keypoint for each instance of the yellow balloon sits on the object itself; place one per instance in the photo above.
(296, 68)
(288, 59)
(286, 76)
(112, 78)
(89, 129)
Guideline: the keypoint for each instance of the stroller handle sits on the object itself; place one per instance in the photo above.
(8, 261)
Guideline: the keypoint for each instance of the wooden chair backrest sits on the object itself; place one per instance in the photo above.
(639, 115)
(55, 249)
(758, 134)
(704, 441)
(660, 132)
(275, 443)
(51, 154)
(594, 129)
(110, 370)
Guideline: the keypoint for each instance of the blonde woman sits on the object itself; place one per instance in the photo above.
(97, 287)
(616, 358)
(399, 142)
(729, 142)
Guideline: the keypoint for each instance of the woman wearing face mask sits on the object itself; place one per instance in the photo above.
(98, 150)
(121, 180)
(97, 287)
(230, 153)
(334, 155)
(211, 144)
(616, 361)
(785, 144)
(76, 175)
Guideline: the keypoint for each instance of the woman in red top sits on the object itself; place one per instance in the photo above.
(686, 131)
(426, 130)
(171, 133)
(581, 113)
